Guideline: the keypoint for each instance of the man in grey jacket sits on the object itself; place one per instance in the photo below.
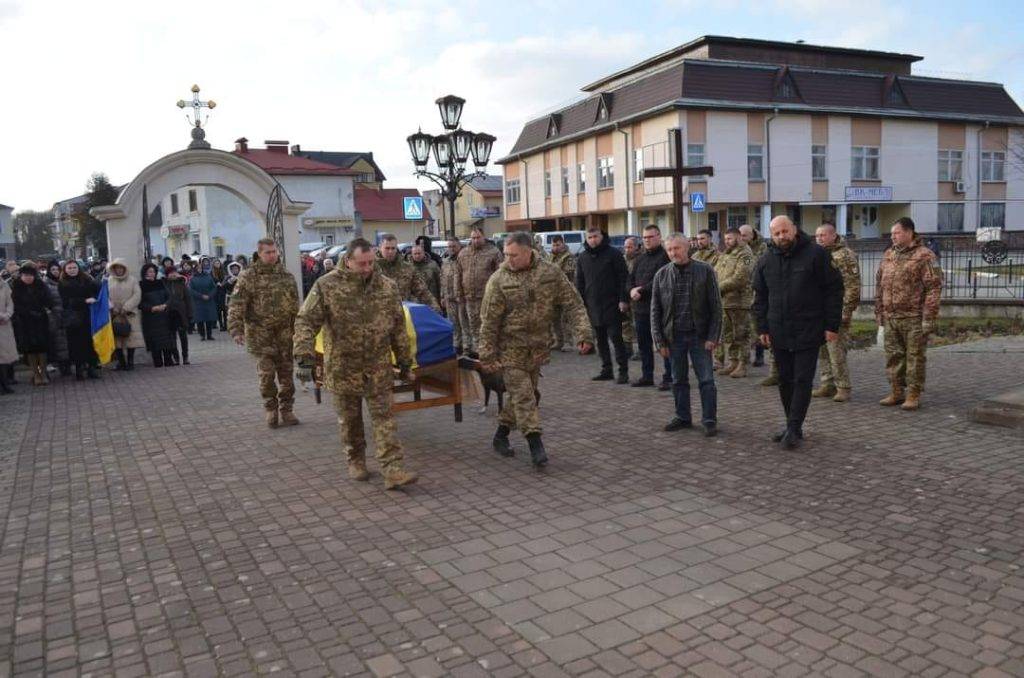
(686, 322)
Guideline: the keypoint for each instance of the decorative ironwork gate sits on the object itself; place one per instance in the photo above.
(275, 220)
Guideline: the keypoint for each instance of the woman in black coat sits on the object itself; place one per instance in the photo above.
(32, 304)
(78, 293)
(156, 318)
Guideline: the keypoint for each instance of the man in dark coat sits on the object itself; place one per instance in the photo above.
(798, 305)
(641, 279)
(601, 277)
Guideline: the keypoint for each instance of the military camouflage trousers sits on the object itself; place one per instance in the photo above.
(473, 316)
(832, 359)
(460, 323)
(736, 334)
(628, 331)
(905, 346)
(385, 433)
(276, 384)
(521, 410)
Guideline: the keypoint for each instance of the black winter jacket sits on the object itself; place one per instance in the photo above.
(798, 294)
(601, 277)
(647, 264)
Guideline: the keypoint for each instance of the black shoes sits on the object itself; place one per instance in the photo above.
(640, 383)
(603, 376)
(665, 386)
(790, 440)
(677, 424)
(710, 430)
(538, 455)
(501, 444)
(623, 378)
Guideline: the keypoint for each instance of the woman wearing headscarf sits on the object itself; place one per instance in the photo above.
(156, 318)
(204, 298)
(58, 352)
(179, 305)
(78, 293)
(125, 295)
(234, 269)
(8, 344)
(32, 304)
(219, 276)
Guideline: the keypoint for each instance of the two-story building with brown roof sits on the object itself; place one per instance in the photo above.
(815, 132)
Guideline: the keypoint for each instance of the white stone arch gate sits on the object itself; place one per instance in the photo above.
(208, 167)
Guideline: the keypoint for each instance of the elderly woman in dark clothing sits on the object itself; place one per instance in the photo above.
(179, 305)
(58, 351)
(32, 304)
(220, 276)
(78, 293)
(156, 318)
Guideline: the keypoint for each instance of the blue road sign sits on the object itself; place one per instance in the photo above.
(697, 202)
(413, 208)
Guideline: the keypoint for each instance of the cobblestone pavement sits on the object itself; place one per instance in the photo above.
(150, 524)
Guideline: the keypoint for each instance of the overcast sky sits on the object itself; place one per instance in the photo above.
(91, 85)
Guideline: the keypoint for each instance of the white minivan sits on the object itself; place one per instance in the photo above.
(573, 239)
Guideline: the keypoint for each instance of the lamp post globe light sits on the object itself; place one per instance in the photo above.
(451, 151)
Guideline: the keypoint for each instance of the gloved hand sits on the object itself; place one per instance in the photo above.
(405, 373)
(304, 371)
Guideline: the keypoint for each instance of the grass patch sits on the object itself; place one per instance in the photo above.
(948, 330)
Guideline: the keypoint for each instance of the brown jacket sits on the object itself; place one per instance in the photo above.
(908, 283)
(476, 266)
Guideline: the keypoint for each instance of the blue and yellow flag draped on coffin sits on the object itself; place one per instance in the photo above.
(430, 335)
(102, 330)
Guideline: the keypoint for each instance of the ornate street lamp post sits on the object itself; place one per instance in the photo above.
(451, 151)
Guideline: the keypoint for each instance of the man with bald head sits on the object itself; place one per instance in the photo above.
(798, 302)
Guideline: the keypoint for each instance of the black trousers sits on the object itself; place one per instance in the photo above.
(796, 378)
(645, 347)
(613, 332)
(222, 318)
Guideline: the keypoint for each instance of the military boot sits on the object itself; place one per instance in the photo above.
(538, 455)
(824, 391)
(272, 418)
(357, 469)
(770, 380)
(842, 395)
(288, 418)
(894, 398)
(739, 372)
(913, 401)
(501, 444)
(396, 477)
(729, 368)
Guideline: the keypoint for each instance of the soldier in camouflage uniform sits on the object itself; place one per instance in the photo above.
(410, 285)
(908, 287)
(733, 269)
(476, 264)
(521, 301)
(704, 248)
(427, 269)
(566, 263)
(360, 314)
(630, 251)
(835, 375)
(758, 247)
(450, 304)
(261, 315)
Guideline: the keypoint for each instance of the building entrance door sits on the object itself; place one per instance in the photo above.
(865, 221)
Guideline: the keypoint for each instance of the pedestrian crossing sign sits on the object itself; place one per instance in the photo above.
(697, 202)
(413, 208)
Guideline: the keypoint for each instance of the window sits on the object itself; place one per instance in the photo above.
(993, 215)
(992, 164)
(951, 216)
(565, 181)
(174, 203)
(864, 162)
(547, 183)
(737, 216)
(329, 239)
(512, 191)
(605, 172)
(785, 90)
(218, 251)
(193, 201)
(694, 154)
(581, 178)
(755, 162)
(365, 178)
(196, 245)
(638, 163)
(951, 165)
(572, 238)
(819, 162)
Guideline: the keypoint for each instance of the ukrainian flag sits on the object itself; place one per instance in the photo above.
(102, 330)
(430, 335)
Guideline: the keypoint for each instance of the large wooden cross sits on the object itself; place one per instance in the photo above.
(675, 172)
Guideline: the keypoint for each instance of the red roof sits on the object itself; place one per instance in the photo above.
(386, 204)
(275, 162)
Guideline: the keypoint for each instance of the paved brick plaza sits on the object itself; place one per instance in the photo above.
(152, 525)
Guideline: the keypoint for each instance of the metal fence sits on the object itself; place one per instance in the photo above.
(965, 274)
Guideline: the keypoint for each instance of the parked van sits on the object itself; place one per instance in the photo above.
(573, 239)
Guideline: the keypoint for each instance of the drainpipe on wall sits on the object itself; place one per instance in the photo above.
(630, 221)
(766, 218)
(977, 224)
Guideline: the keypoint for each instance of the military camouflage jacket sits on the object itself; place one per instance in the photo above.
(263, 307)
(566, 263)
(734, 269)
(429, 273)
(757, 246)
(908, 283)
(845, 260)
(449, 271)
(410, 285)
(517, 312)
(475, 268)
(363, 324)
(709, 255)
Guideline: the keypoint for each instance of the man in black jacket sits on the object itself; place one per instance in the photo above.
(601, 280)
(798, 304)
(640, 280)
